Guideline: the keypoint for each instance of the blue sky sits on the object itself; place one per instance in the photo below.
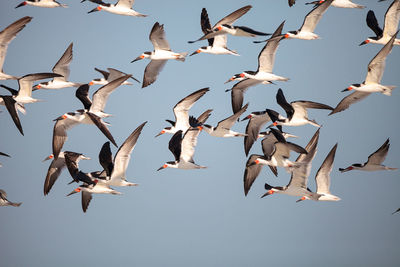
(199, 217)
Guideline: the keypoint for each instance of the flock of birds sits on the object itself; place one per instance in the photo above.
(186, 128)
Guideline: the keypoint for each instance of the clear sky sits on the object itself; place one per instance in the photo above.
(199, 217)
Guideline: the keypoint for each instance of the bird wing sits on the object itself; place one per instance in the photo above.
(377, 65)
(266, 58)
(26, 82)
(157, 37)
(251, 172)
(86, 198)
(232, 17)
(322, 178)
(3, 194)
(8, 34)
(238, 90)
(181, 109)
(230, 121)
(175, 145)
(103, 72)
(373, 24)
(205, 25)
(100, 97)
(11, 106)
(125, 3)
(219, 41)
(151, 72)
(114, 74)
(188, 144)
(268, 145)
(60, 134)
(300, 107)
(314, 16)
(379, 155)
(392, 18)
(204, 116)
(123, 155)
(253, 128)
(281, 100)
(62, 65)
(82, 93)
(349, 100)
(105, 158)
(102, 126)
(54, 171)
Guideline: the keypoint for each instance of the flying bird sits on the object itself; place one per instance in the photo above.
(372, 81)
(224, 26)
(216, 45)
(374, 162)
(182, 147)
(109, 76)
(338, 3)
(391, 24)
(62, 68)
(122, 7)
(181, 112)
(6, 36)
(41, 3)
(5, 202)
(162, 52)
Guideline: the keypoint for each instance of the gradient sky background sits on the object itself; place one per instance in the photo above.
(199, 217)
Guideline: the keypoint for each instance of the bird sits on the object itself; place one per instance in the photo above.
(122, 7)
(116, 169)
(391, 23)
(323, 179)
(297, 185)
(6, 36)
(224, 26)
(55, 169)
(338, 3)
(41, 3)
(91, 114)
(62, 68)
(216, 45)
(223, 128)
(306, 31)
(5, 202)
(5, 155)
(23, 96)
(182, 147)
(372, 81)
(162, 52)
(374, 162)
(296, 111)
(276, 151)
(266, 60)
(109, 76)
(181, 112)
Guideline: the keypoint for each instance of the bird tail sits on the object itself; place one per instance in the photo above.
(15, 204)
(392, 169)
(182, 56)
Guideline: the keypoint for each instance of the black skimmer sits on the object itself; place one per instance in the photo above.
(6, 36)
(109, 76)
(297, 185)
(183, 150)
(306, 31)
(224, 26)
(216, 45)
(162, 52)
(181, 112)
(323, 179)
(55, 169)
(122, 7)
(223, 128)
(296, 111)
(42, 3)
(391, 23)
(266, 60)
(91, 114)
(116, 169)
(62, 68)
(374, 162)
(5, 202)
(372, 81)
(5, 155)
(22, 96)
(338, 3)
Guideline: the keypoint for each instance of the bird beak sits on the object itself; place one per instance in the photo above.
(195, 52)
(346, 169)
(230, 79)
(93, 10)
(133, 78)
(364, 42)
(138, 58)
(49, 157)
(347, 89)
(162, 167)
(269, 192)
(301, 199)
(246, 118)
(160, 133)
(85, 158)
(73, 192)
(22, 4)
